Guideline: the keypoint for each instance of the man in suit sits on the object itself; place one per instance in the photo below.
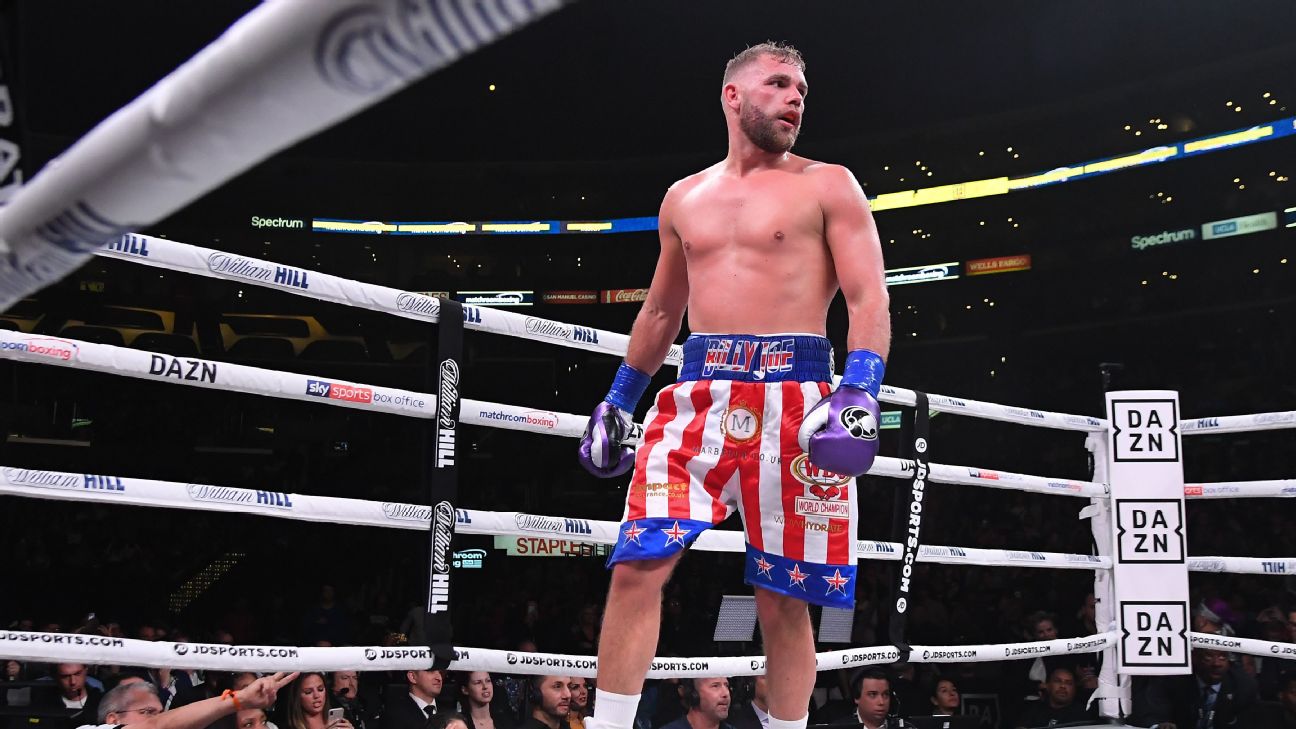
(411, 709)
(1217, 695)
(756, 714)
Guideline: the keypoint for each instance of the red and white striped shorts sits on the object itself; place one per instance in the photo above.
(711, 447)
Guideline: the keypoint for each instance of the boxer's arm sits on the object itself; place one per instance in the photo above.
(857, 256)
(659, 319)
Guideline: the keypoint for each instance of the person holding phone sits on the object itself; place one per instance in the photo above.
(307, 705)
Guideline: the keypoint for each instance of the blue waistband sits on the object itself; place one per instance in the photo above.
(750, 358)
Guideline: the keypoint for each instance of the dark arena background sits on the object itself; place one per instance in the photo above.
(1104, 202)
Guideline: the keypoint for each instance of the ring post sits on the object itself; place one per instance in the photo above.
(1147, 533)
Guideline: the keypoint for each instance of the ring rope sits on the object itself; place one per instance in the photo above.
(1283, 420)
(93, 488)
(64, 486)
(1268, 489)
(57, 647)
(283, 72)
(142, 364)
(61, 647)
(211, 263)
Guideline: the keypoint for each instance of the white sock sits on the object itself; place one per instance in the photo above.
(616, 711)
(776, 723)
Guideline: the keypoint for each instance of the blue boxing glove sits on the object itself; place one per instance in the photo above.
(602, 452)
(840, 433)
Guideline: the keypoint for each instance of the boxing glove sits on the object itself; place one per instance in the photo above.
(602, 452)
(840, 433)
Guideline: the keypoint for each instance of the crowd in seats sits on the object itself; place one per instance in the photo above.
(1223, 690)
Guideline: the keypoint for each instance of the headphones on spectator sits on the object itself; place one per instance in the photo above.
(689, 692)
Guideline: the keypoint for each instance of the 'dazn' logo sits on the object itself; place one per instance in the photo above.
(740, 423)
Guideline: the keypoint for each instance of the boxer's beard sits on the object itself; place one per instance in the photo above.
(764, 132)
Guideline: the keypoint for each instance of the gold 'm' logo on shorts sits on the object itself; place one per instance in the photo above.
(740, 423)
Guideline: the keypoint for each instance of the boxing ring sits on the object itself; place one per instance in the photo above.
(43, 240)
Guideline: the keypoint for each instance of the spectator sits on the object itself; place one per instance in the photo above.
(1216, 695)
(73, 694)
(944, 698)
(906, 696)
(208, 684)
(580, 707)
(1281, 715)
(514, 689)
(137, 704)
(448, 720)
(479, 708)
(1059, 704)
(13, 672)
(585, 633)
(411, 709)
(550, 702)
(345, 686)
(307, 705)
(872, 692)
(326, 620)
(707, 700)
(240, 681)
(1272, 671)
(754, 715)
(251, 719)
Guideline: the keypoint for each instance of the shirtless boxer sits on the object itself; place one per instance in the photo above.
(755, 247)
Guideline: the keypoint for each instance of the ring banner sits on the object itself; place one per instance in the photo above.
(443, 481)
(907, 528)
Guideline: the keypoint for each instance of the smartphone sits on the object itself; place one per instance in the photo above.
(335, 715)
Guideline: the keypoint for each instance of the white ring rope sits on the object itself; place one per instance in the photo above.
(56, 647)
(1268, 489)
(142, 364)
(1239, 423)
(185, 258)
(211, 263)
(286, 70)
(52, 647)
(63, 486)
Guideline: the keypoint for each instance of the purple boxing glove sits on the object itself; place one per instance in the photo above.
(840, 433)
(602, 452)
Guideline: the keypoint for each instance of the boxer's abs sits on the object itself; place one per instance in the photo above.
(758, 289)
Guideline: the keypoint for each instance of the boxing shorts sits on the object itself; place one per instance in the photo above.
(723, 438)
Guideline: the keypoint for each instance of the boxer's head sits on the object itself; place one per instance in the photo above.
(764, 95)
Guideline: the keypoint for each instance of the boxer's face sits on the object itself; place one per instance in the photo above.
(772, 95)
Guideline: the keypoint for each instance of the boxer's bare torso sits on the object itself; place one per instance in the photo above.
(755, 249)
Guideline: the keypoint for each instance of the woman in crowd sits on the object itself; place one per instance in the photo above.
(477, 702)
(944, 698)
(307, 705)
(580, 703)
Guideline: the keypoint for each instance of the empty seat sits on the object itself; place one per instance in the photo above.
(332, 350)
(261, 348)
(175, 345)
(99, 335)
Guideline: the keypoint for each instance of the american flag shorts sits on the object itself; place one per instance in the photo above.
(729, 443)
